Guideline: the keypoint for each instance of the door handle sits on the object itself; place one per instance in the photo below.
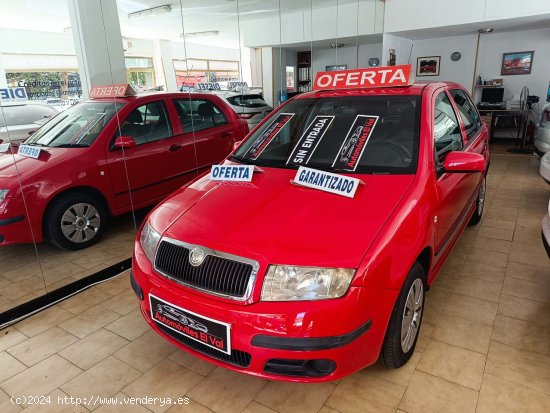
(227, 133)
(174, 147)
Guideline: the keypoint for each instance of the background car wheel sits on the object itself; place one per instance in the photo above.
(480, 203)
(405, 321)
(75, 221)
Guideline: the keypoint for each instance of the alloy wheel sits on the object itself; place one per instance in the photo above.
(412, 314)
(80, 223)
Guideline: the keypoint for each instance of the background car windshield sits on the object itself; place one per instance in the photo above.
(391, 147)
(247, 101)
(77, 126)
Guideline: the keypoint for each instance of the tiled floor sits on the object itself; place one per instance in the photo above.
(484, 344)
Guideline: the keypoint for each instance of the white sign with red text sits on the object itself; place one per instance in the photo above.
(388, 76)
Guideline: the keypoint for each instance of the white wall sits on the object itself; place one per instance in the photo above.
(346, 55)
(462, 71)
(328, 23)
(494, 45)
(403, 15)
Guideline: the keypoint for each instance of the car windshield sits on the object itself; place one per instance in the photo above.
(247, 101)
(357, 134)
(78, 126)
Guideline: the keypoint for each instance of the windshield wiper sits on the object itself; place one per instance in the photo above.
(71, 145)
(248, 161)
(36, 144)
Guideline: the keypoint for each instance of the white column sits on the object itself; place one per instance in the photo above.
(98, 42)
(3, 81)
(164, 65)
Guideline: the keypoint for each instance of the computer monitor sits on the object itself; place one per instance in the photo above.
(493, 95)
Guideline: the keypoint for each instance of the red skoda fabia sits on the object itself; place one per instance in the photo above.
(317, 265)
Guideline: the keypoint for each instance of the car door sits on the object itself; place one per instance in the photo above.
(454, 190)
(212, 130)
(161, 161)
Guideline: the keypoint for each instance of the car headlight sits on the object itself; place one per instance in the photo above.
(287, 283)
(149, 241)
(3, 194)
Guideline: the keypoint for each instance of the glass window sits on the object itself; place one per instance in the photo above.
(364, 134)
(147, 123)
(18, 115)
(447, 134)
(468, 112)
(199, 114)
(79, 125)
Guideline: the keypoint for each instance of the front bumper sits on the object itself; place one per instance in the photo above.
(14, 230)
(293, 341)
(546, 234)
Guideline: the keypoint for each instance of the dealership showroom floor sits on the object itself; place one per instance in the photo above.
(484, 345)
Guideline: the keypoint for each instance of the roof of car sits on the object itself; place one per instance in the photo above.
(149, 94)
(416, 88)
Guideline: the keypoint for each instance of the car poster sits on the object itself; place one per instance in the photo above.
(352, 148)
(310, 139)
(267, 136)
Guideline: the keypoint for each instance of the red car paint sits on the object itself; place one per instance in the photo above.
(155, 169)
(405, 219)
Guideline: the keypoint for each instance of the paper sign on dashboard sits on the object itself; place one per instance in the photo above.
(326, 181)
(29, 151)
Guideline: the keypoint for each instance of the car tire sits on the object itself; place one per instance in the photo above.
(480, 203)
(398, 348)
(75, 221)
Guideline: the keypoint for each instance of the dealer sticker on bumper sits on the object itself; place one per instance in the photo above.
(205, 330)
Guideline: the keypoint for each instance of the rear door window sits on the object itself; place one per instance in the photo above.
(199, 114)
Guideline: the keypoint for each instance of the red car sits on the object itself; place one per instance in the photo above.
(294, 281)
(85, 154)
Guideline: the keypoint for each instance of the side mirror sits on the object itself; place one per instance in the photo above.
(464, 162)
(124, 142)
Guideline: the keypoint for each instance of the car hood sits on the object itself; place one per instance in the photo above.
(12, 164)
(273, 220)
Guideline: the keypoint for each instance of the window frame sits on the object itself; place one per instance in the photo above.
(479, 125)
(439, 162)
(137, 107)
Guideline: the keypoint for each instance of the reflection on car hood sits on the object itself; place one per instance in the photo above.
(282, 222)
(27, 166)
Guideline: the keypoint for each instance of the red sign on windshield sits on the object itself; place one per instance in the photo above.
(364, 78)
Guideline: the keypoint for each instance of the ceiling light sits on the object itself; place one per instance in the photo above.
(486, 30)
(154, 11)
(201, 34)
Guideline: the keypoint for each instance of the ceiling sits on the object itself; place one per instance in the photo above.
(193, 15)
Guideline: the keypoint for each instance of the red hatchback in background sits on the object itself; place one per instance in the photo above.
(315, 263)
(105, 156)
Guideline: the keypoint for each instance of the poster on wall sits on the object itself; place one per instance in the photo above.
(428, 66)
(517, 63)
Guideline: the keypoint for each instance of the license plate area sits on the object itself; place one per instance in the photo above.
(205, 330)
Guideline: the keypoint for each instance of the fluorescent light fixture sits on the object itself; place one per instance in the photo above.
(201, 34)
(154, 11)
(486, 30)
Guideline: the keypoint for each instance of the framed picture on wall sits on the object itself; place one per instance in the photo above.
(517, 63)
(428, 66)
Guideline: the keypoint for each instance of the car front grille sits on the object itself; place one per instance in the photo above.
(237, 357)
(217, 274)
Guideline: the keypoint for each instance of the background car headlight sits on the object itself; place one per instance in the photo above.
(3, 194)
(285, 283)
(149, 241)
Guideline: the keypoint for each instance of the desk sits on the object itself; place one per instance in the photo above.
(522, 128)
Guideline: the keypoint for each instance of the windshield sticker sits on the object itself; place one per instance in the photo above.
(352, 148)
(310, 140)
(4, 147)
(267, 136)
(29, 151)
(326, 181)
(235, 173)
(86, 128)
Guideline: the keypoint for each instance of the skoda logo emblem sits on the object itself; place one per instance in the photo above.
(197, 256)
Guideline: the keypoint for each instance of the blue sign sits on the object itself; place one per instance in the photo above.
(14, 93)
